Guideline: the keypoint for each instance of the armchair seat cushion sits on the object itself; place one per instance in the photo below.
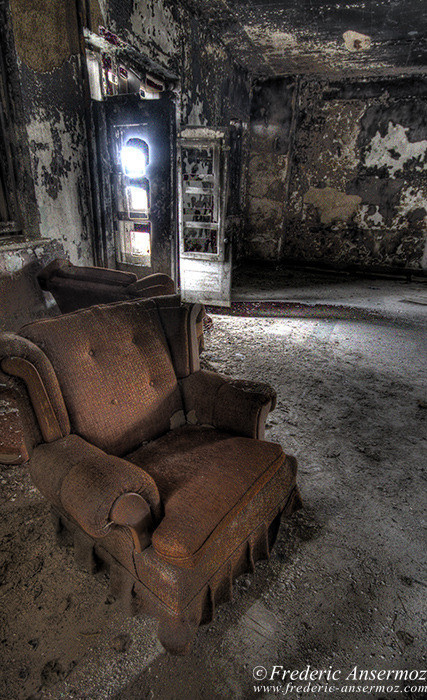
(211, 483)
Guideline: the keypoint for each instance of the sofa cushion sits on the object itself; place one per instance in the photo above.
(206, 478)
(119, 393)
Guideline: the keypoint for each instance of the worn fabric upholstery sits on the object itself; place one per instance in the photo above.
(117, 394)
(64, 269)
(85, 481)
(222, 559)
(144, 419)
(205, 477)
(44, 390)
(152, 286)
(79, 294)
(174, 319)
(227, 404)
(77, 287)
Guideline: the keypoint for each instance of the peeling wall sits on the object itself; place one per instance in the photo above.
(44, 74)
(51, 84)
(50, 80)
(214, 90)
(57, 141)
(357, 190)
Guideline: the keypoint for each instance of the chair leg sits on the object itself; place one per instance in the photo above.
(84, 553)
(62, 534)
(177, 634)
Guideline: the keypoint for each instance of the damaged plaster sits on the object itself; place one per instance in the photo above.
(354, 41)
(393, 151)
(331, 204)
(50, 81)
(60, 183)
(153, 24)
(357, 192)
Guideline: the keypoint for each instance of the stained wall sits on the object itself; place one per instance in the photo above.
(48, 53)
(214, 89)
(337, 172)
(44, 85)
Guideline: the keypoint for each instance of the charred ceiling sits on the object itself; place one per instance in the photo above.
(328, 37)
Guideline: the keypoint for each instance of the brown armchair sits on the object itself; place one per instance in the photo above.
(157, 468)
(74, 287)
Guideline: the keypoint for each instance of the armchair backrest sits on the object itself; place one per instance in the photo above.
(115, 372)
(116, 367)
(76, 287)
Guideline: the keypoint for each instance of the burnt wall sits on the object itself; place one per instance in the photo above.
(17, 174)
(40, 44)
(213, 89)
(271, 129)
(47, 48)
(355, 157)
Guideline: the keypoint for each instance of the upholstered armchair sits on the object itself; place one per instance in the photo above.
(74, 287)
(158, 469)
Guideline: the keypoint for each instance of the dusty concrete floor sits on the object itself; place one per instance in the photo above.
(346, 582)
(307, 292)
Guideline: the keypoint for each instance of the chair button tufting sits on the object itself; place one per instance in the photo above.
(151, 383)
(91, 353)
(114, 401)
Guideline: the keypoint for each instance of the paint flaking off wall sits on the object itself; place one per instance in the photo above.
(394, 150)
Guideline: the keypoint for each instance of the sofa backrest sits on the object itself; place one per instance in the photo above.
(115, 372)
(72, 295)
(64, 269)
(77, 287)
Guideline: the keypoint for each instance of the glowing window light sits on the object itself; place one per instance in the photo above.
(134, 157)
(141, 243)
(138, 198)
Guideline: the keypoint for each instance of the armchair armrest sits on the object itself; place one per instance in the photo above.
(228, 404)
(152, 286)
(132, 511)
(90, 486)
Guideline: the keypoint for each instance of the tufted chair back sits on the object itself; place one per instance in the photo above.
(115, 396)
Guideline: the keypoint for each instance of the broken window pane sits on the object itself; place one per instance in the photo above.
(200, 240)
